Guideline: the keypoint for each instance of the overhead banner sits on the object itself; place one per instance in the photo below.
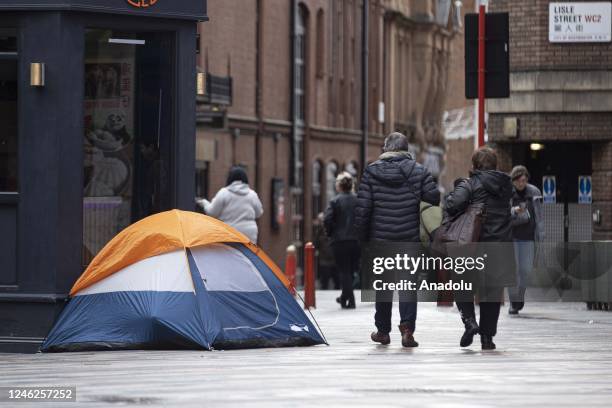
(579, 22)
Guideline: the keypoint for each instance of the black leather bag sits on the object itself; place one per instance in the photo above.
(461, 229)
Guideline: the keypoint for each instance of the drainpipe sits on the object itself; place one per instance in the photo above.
(258, 92)
(364, 84)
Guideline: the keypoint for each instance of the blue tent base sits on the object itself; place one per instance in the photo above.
(261, 343)
(223, 345)
(112, 346)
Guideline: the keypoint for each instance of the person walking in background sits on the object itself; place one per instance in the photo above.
(493, 188)
(326, 265)
(527, 228)
(236, 204)
(388, 203)
(340, 227)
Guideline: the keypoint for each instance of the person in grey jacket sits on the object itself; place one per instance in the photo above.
(527, 228)
(236, 204)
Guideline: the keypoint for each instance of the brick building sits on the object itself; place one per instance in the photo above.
(558, 119)
(459, 119)
(295, 119)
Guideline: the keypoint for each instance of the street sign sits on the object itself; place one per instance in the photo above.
(585, 190)
(549, 189)
(579, 22)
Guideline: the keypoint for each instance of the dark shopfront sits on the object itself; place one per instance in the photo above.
(97, 130)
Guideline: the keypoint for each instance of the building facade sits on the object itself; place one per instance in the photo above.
(558, 119)
(97, 106)
(459, 118)
(295, 118)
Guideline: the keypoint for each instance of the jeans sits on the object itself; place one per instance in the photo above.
(524, 252)
(407, 309)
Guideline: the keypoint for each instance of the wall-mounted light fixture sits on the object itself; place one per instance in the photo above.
(536, 147)
(37, 74)
(201, 83)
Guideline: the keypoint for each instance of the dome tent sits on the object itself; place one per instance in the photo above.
(179, 279)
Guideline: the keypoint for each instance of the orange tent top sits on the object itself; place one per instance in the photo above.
(161, 233)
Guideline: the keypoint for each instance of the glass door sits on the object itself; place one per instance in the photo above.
(128, 122)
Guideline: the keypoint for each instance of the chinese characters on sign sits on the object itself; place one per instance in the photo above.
(579, 22)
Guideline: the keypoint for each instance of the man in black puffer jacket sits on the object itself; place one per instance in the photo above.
(388, 200)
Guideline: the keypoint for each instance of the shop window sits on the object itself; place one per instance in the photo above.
(331, 171)
(8, 111)
(320, 43)
(352, 168)
(300, 63)
(317, 204)
(202, 179)
(128, 131)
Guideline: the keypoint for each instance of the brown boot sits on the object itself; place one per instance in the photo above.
(407, 339)
(382, 338)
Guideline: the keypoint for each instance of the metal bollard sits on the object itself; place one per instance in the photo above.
(309, 276)
(290, 265)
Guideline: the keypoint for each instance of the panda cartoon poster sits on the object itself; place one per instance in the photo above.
(108, 150)
(109, 129)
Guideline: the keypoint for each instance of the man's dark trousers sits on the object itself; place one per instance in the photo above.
(382, 318)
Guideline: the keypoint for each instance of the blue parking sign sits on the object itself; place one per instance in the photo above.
(585, 190)
(549, 189)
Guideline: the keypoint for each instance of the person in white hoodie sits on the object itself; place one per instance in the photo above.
(236, 204)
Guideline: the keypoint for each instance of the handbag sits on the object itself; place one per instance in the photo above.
(430, 221)
(461, 229)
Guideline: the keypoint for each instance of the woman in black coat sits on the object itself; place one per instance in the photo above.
(494, 189)
(340, 227)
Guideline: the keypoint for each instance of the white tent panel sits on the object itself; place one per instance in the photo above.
(225, 268)
(167, 272)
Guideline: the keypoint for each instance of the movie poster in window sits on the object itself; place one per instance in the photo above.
(109, 127)
(108, 150)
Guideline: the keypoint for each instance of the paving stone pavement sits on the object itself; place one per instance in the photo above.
(554, 354)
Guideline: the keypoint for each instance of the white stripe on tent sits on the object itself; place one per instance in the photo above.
(225, 268)
(167, 272)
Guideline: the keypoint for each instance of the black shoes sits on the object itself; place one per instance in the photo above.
(471, 329)
(346, 303)
(487, 342)
(515, 308)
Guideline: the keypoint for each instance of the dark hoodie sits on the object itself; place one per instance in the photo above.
(388, 199)
(492, 187)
